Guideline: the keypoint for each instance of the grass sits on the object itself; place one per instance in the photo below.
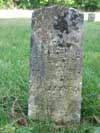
(14, 73)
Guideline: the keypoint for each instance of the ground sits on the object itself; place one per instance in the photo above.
(14, 74)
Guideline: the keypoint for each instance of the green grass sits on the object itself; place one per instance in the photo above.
(91, 70)
(14, 74)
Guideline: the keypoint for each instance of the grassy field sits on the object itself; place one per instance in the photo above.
(14, 74)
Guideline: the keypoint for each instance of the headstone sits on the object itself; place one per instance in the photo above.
(91, 17)
(56, 65)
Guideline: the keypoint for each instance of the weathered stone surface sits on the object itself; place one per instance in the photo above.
(56, 65)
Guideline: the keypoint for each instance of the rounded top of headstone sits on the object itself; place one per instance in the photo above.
(56, 10)
(62, 17)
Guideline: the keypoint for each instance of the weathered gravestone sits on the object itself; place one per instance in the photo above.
(91, 17)
(56, 65)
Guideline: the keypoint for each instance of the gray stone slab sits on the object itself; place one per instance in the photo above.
(91, 17)
(56, 65)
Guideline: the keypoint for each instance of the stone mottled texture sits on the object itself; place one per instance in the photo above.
(56, 65)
